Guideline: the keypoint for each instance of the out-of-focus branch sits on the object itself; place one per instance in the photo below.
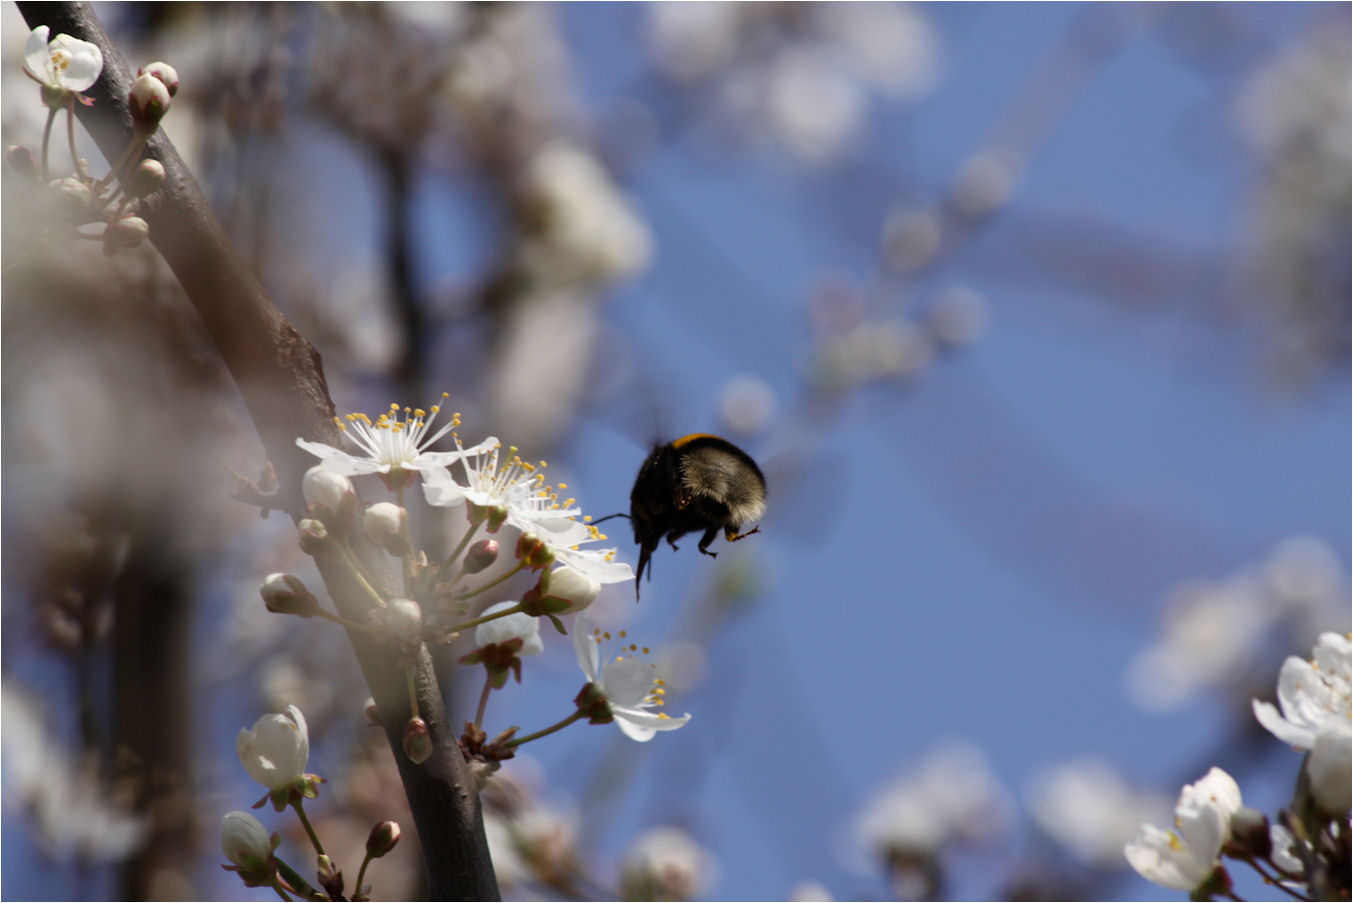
(282, 384)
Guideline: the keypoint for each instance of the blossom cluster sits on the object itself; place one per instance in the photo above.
(1307, 849)
(497, 491)
(65, 68)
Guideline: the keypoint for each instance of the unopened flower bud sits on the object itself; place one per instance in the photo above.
(373, 712)
(287, 595)
(577, 589)
(1250, 833)
(127, 232)
(534, 551)
(314, 537)
(481, 555)
(248, 846)
(145, 179)
(382, 839)
(22, 161)
(149, 100)
(165, 73)
(72, 199)
(404, 617)
(330, 496)
(330, 876)
(386, 525)
(417, 741)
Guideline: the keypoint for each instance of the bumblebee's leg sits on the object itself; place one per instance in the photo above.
(708, 538)
(733, 536)
(672, 538)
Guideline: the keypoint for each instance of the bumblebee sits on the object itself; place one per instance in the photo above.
(697, 482)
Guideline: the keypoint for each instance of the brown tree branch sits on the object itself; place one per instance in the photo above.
(282, 384)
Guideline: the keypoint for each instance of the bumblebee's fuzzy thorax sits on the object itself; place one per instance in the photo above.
(697, 482)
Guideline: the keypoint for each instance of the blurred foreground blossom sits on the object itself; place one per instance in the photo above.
(71, 812)
(1187, 856)
(665, 863)
(1214, 630)
(1088, 808)
(951, 796)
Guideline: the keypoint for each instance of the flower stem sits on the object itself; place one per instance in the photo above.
(361, 872)
(295, 883)
(46, 142)
(355, 568)
(133, 146)
(483, 699)
(460, 550)
(344, 622)
(70, 133)
(1272, 879)
(485, 619)
(413, 691)
(299, 805)
(578, 713)
(492, 583)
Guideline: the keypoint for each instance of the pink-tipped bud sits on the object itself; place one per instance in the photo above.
(481, 555)
(149, 100)
(417, 741)
(165, 73)
(382, 839)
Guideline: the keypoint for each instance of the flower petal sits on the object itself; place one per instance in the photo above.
(37, 59)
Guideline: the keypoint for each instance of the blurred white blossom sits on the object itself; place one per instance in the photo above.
(72, 814)
(665, 863)
(801, 76)
(950, 796)
(1087, 807)
(746, 404)
(585, 229)
(1213, 630)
